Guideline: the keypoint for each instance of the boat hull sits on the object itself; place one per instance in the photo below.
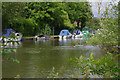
(64, 37)
(18, 37)
(77, 36)
(39, 38)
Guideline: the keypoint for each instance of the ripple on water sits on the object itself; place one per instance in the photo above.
(76, 47)
(32, 50)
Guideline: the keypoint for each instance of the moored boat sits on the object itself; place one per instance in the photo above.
(10, 35)
(42, 37)
(77, 34)
(64, 34)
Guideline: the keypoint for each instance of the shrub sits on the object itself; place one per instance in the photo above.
(108, 36)
(106, 66)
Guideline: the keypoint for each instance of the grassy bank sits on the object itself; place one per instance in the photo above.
(28, 37)
(25, 37)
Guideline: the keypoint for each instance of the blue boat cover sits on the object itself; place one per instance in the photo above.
(77, 32)
(7, 32)
(64, 32)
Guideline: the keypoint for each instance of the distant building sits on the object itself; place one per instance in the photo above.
(75, 22)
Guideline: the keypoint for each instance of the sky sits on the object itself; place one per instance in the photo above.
(95, 6)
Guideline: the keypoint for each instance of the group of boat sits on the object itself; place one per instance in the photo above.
(65, 34)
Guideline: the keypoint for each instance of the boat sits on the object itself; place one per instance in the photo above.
(42, 37)
(77, 34)
(85, 31)
(89, 32)
(64, 34)
(7, 34)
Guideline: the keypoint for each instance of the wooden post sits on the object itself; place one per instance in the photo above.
(53, 31)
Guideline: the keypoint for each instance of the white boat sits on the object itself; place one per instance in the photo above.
(42, 37)
(64, 34)
(77, 34)
(8, 35)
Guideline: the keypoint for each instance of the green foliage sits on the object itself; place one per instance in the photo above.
(31, 18)
(6, 52)
(47, 30)
(79, 11)
(108, 36)
(53, 74)
(14, 60)
(96, 22)
(106, 66)
(10, 11)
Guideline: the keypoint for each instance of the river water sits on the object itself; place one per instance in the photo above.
(39, 58)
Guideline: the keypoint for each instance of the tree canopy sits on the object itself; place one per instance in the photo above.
(31, 18)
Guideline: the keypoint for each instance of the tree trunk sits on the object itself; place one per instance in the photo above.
(78, 24)
(82, 25)
(99, 5)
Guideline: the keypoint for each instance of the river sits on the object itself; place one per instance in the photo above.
(39, 58)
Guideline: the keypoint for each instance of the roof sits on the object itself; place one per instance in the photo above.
(75, 22)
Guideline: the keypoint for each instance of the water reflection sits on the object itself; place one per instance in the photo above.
(12, 45)
(37, 42)
(64, 41)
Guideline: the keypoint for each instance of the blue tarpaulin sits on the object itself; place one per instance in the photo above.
(64, 32)
(7, 32)
(77, 32)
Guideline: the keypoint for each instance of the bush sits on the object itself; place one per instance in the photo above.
(6, 52)
(108, 36)
(105, 67)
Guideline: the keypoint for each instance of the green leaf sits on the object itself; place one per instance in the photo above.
(14, 50)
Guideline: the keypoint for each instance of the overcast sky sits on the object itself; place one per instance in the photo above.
(104, 3)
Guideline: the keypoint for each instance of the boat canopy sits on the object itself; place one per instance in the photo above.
(64, 32)
(77, 32)
(7, 32)
(85, 29)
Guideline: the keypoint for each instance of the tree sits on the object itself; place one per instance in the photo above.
(80, 12)
(49, 13)
(11, 11)
(109, 35)
(36, 15)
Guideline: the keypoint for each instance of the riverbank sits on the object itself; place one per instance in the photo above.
(33, 37)
(28, 38)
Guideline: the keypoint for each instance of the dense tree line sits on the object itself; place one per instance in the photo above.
(31, 18)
